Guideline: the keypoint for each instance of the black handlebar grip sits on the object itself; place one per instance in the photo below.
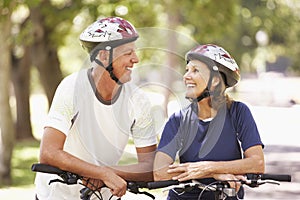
(46, 169)
(161, 184)
(276, 177)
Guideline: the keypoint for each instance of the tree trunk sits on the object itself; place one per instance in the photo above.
(21, 80)
(44, 54)
(172, 58)
(7, 132)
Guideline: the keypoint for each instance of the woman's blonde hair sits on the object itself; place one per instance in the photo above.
(220, 96)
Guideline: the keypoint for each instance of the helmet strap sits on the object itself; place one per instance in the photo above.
(109, 68)
(206, 92)
(99, 62)
(203, 95)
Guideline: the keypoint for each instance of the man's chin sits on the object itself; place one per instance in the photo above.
(125, 80)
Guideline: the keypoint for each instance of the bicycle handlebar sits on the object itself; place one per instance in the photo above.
(275, 177)
(253, 180)
(161, 184)
(72, 178)
(46, 169)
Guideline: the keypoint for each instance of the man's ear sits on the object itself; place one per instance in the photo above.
(103, 55)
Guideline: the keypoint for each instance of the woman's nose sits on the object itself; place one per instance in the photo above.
(186, 75)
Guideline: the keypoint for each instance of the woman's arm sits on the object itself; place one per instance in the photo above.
(252, 163)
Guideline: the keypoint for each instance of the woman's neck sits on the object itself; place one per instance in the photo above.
(205, 111)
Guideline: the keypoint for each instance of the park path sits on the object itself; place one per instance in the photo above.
(280, 159)
(279, 128)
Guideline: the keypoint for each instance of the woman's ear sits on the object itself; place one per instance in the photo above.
(215, 81)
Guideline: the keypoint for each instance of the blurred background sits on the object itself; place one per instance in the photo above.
(40, 46)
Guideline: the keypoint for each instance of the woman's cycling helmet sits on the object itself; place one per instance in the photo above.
(226, 65)
(106, 34)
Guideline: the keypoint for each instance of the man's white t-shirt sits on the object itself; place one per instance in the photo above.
(97, 131)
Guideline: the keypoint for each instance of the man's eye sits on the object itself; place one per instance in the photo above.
(128, 53)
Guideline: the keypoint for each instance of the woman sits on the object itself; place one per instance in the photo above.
(215, 137)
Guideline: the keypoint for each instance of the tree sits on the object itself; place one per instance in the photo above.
(39, 38)
(7, 131)
(21, 65)
(279, 20)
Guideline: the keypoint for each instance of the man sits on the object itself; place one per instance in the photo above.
(92, 115)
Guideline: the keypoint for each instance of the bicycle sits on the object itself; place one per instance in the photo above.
(221, 189)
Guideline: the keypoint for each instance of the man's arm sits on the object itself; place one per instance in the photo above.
(143, 170)
(162, 162)
(52, 153)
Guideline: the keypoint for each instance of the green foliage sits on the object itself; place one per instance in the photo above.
(4, 4)
(231, 23)
(279, 19)
(6, 8)
(211, 20)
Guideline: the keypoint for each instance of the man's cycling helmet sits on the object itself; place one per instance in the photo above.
(226, 65)
(114, 31)
(106, 34)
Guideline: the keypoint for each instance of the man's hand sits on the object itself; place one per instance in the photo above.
(117, 185)
(93, 184)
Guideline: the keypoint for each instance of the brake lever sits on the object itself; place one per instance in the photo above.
(256, 183)
(260, 182)
(57, 180)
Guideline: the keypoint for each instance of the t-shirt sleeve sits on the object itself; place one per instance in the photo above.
(246, 128)
(170, 141)
(61, 109)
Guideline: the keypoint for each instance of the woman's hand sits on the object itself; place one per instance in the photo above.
(194, 170)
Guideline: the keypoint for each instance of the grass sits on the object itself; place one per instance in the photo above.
(24, 155)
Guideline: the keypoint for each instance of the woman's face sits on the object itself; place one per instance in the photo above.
(195, 78)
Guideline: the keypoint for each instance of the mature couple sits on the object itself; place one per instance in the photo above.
(96, 110)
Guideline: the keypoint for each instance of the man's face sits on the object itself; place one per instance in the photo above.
(124, 59)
